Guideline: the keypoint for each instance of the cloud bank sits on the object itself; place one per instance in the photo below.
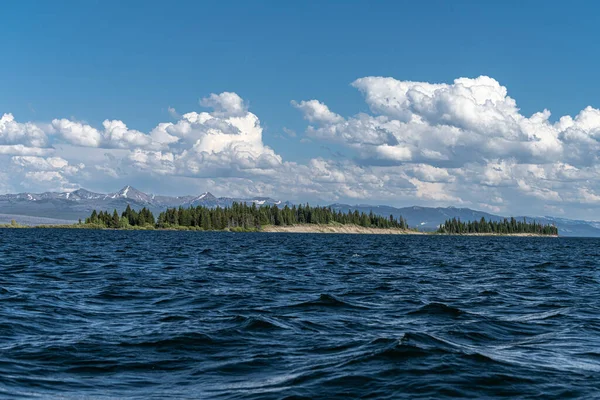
(462, 143)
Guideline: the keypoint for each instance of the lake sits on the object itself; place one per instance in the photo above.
(157, 314)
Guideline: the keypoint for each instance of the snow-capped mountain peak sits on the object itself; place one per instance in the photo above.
(82, 194)
(204, 196)
(80, 203)
(131, 193)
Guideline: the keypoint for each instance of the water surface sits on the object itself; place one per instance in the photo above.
(113, 314)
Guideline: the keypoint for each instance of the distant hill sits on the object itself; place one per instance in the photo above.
(429, 218)
(70, 206)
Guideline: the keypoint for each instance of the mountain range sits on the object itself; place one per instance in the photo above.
(61, 207)
(80, 203)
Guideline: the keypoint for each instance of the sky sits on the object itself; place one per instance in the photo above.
(486, 105)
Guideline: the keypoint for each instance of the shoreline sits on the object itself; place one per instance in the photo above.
(495, 234)
(355, 229)
(346, 229)
(306, 228)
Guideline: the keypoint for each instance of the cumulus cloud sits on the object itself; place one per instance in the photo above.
(114, 135)
(160, 135)
(465, 142)
(25, 134)
(47, 164)
(226, 104)
(153, 161)
(469, 120)
(317, 112)
(47, 172)
(77, 133)
(429, 173)
(225, 142)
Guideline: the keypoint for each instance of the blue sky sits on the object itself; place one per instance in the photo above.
(130, 61)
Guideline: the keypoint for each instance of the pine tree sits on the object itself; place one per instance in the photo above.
(249, 217)
(116, 221)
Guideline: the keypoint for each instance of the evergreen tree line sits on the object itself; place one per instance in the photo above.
(506, 226)
(129, 217)
(241, 216)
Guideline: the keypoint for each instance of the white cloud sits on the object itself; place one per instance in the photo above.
(587, 196)
(47, 164)
(226, 104)
(173, 113)
(290, 132)
(160, 134)
(539, 192)
(114, 135)
(46, 176)
(50, 172)
(77, 133)
(225, 142)
(317, 112)
(26, 134)
(153, 161)
(464, 142)
(468, 120)
(19, 149)
(434, 191)
(429, 173)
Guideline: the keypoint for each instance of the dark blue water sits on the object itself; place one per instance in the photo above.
(101, 314)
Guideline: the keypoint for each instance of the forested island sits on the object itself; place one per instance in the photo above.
(505, 227)
(241, 217)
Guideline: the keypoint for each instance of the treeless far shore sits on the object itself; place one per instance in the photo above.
(348, 228)
(301, 228)
(356, 229)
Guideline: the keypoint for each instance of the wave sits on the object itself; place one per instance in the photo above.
(438, 309)
(173, 318)
(185, 340)
(326, 301)
(259, 323)
(489, 293)
(543, 265)
(411, 345)
(539, 316)
(113, 294)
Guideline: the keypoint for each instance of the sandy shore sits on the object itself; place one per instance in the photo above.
(308, 228)
(337, 229)
(355, 229)
(497, 234)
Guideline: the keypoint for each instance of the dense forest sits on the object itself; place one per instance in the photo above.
(504, 227)
(129, 217)
(240, 216)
